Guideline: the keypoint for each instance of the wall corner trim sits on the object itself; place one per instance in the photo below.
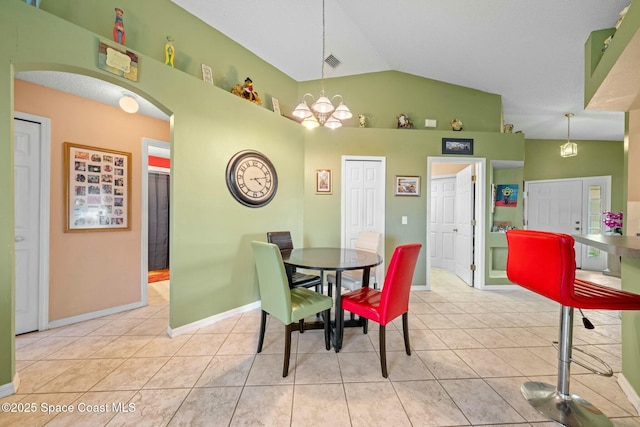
(10, 388)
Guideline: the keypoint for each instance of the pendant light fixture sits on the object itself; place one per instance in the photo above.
(322, 111)
(569, 149)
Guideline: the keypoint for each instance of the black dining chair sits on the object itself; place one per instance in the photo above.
(282, 239)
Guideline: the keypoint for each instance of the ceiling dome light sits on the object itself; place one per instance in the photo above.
(128, 103)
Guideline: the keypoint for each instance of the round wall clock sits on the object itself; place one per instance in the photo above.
(251, 178)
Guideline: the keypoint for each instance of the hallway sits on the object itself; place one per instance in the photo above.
(471, 351)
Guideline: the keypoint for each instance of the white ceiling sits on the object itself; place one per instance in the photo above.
(529, 52)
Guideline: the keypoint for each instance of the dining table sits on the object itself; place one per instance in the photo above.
(337, 260)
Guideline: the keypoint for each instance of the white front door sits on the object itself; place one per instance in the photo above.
(555, 206)
(570, 206)
(442, 241)
(27, 231)
(464, 218)
(363, 205)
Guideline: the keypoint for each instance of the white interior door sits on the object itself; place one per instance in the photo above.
(27, 232)
(442, 241)
(464, 217)
(363, 204)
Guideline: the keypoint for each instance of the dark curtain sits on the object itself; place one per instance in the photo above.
(158, 221)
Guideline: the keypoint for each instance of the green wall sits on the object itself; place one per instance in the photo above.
(210, 232)
(383, 96)
(406, 153)
(595, 158)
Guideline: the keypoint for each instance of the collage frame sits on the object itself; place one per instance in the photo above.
(97, 189)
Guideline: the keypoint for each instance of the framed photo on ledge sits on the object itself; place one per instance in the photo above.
(97, 189)
(407, 185)
(324, 184)
(462, 146)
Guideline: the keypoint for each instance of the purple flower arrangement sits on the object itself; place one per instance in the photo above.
(613, 220)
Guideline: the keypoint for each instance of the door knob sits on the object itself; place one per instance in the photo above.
(577, 228)
(455, 230)
(19, 238)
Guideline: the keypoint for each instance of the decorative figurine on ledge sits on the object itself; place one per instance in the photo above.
(118, 27)
(246, 91)
(456, 124)
(169, 52)
(404, 122)
(362, 121)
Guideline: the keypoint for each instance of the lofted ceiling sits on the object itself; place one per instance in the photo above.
(529, 52)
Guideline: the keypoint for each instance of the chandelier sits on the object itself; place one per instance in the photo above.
(569, 149)
(322, 111)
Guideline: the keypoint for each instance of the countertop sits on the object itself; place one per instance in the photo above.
(626, 246)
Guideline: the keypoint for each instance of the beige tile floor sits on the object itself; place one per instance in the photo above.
(471, 352)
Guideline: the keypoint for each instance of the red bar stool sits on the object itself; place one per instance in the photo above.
(544, 263)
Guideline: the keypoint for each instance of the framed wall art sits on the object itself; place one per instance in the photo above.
(97, 189)
(324, 184)
(407, 185)
(207, 74)
(457, 146)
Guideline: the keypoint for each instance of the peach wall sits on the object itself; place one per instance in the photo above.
(632, 215)
(90, 271)
(447, 168)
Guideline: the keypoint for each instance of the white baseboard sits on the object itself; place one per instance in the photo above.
(10, 388)
(419, 288)
(211, 320)
(501, 287)
(629, 392)
(93, 315)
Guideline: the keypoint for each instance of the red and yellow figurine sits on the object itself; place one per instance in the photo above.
(118, 27)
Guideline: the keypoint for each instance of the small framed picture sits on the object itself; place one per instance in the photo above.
(407, 185)
(207, 74)
(457, 146)
(324, 182)
(276, 105)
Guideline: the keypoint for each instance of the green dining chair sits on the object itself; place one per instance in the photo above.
(286, 304)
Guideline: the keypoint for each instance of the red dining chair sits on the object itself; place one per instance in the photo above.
(544, 263)
(382, 306)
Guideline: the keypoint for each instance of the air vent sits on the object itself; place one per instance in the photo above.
(332, 61)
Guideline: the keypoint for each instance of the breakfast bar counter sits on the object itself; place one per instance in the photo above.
(628, 248)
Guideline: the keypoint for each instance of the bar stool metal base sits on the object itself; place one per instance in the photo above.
(570, 411)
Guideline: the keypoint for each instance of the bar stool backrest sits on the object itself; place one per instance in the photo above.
(542, 262)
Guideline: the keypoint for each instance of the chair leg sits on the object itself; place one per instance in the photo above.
(263, 327)
(301, 326)
(287, 349)
(383, 351)
(405, 329)
(365, 325)
(557, 402)
(327, 329)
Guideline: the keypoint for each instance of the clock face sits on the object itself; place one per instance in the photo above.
(251, 178)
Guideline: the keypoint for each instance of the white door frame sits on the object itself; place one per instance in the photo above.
(45, 209)
(144, 232)
(382, 189)
(480, 208)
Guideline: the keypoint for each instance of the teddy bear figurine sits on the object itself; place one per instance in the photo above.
(247, 92)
